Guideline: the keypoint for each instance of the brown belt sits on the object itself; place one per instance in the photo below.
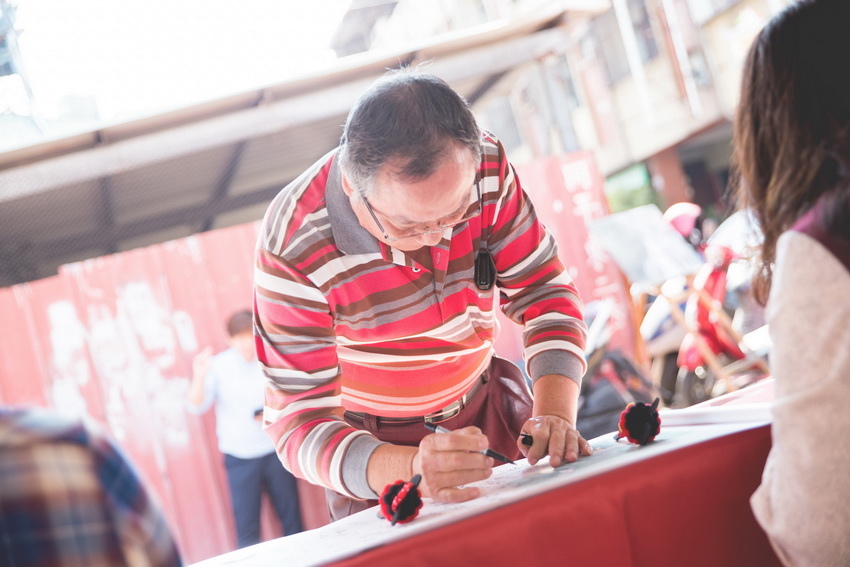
(447, 412)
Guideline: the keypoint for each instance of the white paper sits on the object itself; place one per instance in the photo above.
(737, 413)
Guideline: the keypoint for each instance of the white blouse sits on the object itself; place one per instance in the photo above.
(803, 503)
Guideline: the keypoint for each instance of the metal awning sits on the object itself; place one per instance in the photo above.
(219, 163)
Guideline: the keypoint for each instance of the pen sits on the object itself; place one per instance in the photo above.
(489, 452)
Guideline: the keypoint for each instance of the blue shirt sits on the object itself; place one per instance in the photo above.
(236, 387)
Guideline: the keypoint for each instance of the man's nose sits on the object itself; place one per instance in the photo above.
(431, 238)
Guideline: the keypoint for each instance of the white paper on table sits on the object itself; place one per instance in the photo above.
(734, 413)
(509, 483)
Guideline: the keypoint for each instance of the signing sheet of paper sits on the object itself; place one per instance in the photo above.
(509, 483)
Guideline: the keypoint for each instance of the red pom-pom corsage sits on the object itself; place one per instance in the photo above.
(400, 501)
(639, 422)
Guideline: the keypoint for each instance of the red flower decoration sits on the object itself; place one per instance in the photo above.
(400, 501)
(639, 422)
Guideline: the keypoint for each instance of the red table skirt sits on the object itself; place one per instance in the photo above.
(685, 508)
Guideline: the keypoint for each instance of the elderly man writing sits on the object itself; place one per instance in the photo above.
(378, 272)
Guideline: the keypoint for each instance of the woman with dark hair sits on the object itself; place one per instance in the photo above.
(792, 137)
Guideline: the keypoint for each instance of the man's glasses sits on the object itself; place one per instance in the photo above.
(471, 212)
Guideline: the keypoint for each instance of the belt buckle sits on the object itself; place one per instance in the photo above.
(453, 409)
(444, 414)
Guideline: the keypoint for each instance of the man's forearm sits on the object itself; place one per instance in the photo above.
(389, 463)
(556, 395)
(195, 395)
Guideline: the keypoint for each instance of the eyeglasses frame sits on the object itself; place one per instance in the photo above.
(441, 228)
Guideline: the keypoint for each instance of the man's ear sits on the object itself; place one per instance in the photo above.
(346, 186)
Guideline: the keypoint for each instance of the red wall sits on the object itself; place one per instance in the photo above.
(114, 337)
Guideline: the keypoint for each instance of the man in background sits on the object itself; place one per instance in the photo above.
(233, 382)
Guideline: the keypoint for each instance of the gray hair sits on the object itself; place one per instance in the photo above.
(407, 117)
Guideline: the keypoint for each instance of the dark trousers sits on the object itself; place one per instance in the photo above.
(499, 408)
(248, 478)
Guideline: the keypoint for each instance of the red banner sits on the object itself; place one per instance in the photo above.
(568, 194)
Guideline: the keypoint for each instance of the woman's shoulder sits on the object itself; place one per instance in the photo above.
(803, 259)
(813, 226)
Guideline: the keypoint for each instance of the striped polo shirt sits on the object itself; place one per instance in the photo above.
(346, 322)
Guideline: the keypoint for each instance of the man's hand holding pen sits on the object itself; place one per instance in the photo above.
(448, 461)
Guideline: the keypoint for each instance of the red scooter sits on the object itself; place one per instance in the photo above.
(714, 355)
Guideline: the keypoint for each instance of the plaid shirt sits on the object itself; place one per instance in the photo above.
(345, 322)
(68, 497)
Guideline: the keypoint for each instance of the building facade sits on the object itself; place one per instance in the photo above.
(650, 86)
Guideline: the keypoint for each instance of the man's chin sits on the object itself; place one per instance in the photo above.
(408, 247)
